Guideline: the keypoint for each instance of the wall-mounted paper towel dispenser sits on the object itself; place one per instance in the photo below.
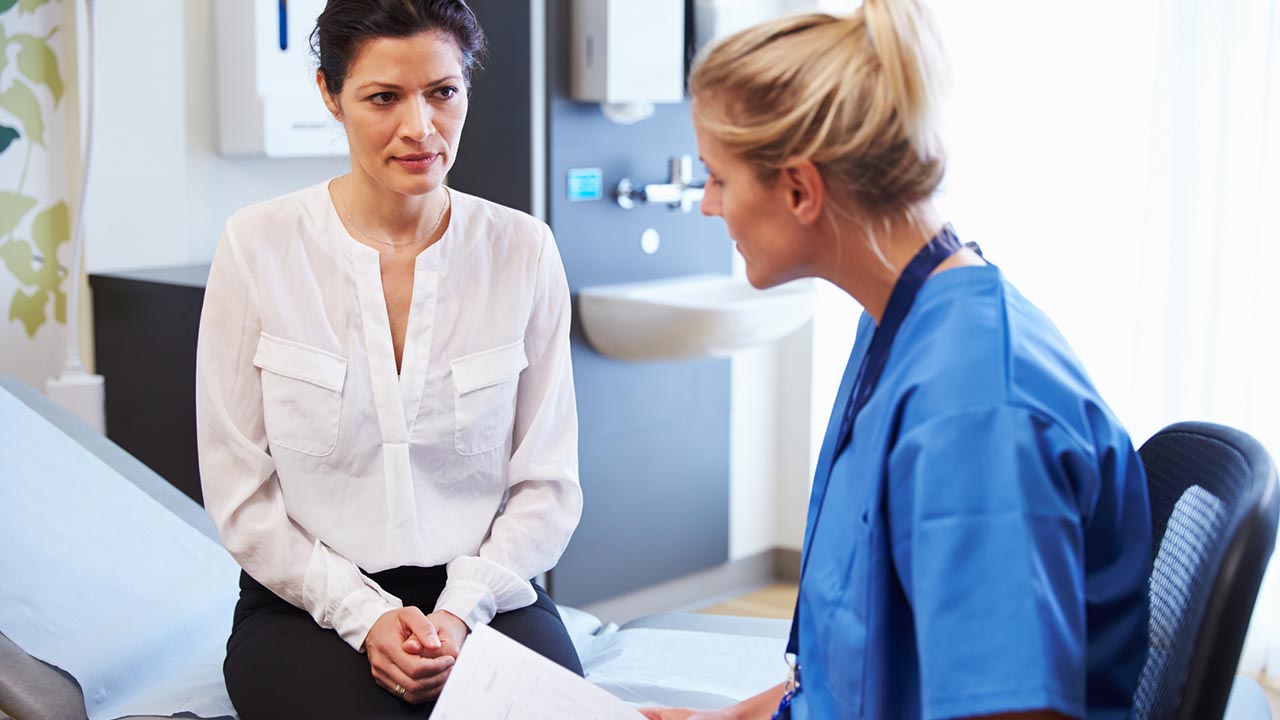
(628, 55)
(268, 103)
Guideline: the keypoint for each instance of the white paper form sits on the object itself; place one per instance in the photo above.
(497, 678)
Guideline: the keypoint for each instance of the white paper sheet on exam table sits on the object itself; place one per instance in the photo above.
(497, 678)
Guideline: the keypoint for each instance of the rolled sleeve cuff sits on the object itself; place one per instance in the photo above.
(479, 589)
(357, 613)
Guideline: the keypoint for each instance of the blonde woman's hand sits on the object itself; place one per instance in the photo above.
(409, 676)
(654, 713)
(757, 707)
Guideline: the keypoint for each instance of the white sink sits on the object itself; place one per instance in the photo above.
(690, 316)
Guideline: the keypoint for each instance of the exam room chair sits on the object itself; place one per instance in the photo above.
(1214, 505)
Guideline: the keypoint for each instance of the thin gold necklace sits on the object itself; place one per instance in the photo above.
(342, 196)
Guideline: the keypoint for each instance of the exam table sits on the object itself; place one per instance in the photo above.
(116, 598)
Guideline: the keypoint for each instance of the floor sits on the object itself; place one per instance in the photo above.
(779, 600)
(774, 601)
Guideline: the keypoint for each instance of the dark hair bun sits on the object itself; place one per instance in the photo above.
(346, 25)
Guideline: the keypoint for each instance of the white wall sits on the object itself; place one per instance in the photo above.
(794, 429)
(770, 469)
(160, 189)
(136, 212)
(218, 185)
(753, 467)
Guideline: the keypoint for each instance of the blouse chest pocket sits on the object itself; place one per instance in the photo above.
(301, 395)
(485, 386)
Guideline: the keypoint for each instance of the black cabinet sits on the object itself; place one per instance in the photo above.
(145, 324)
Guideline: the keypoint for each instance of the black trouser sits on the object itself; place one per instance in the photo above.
(281, 664)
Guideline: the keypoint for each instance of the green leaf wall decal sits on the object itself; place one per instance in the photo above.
(29, 309)
(22, 104)
(7, 136)
(30, 6)
(7, 5)
(17, 256)
(12, 207)
(37, 61)
(50, 229)
(60, 306)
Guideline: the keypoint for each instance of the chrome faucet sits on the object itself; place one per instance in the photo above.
(678, 194)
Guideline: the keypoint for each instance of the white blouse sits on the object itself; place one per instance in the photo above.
(320, 464)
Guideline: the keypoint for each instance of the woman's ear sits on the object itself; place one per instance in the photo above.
(330, 101)
(805, 191)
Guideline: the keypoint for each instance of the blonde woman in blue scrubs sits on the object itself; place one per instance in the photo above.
(978, 537)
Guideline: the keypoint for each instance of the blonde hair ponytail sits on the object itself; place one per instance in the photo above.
(856, 95)
(910, 64)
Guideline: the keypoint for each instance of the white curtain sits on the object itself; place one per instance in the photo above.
(1121, 163)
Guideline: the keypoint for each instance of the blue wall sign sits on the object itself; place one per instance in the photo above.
(585, 184)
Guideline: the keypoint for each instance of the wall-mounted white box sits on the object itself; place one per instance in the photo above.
(628, 51)
(268, 103)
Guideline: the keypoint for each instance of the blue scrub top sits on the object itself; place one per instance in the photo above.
(986, 539)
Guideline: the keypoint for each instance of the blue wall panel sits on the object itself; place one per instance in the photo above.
(654, 436)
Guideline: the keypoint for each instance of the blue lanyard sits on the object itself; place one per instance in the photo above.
(938, 249)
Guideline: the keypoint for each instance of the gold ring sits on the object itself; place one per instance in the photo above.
(400, 691)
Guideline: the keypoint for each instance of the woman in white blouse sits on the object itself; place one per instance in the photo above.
(387, 429)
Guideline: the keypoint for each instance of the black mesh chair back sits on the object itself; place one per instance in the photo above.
(1214, 505)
